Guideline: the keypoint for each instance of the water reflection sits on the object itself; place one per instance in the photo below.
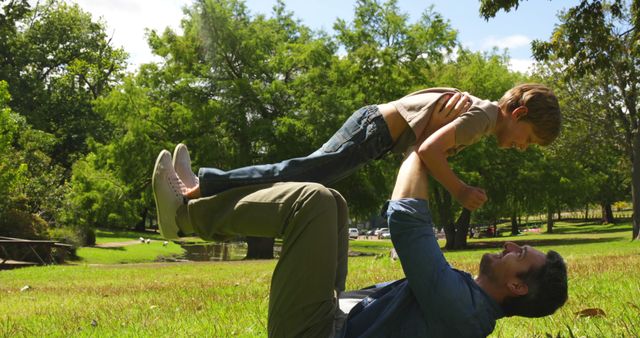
(214, 251)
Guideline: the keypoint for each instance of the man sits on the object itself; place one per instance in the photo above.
(434, 300)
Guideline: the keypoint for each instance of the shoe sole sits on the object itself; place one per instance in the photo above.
(173, 161)
(164, 233)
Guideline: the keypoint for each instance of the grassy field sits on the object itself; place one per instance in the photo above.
(138, 253)
(221, 299)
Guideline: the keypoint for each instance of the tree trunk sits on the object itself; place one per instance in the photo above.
(259, 248)
(607, 213)
(450, 236)
(462, 229)
(549, 220)
(140, 225)
(635, 187)
(514, 225)
(442, 201)
(586, 212)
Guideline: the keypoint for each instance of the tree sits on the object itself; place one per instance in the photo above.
(56, 62)
(590, 148)
(601, 38)
(28, 178)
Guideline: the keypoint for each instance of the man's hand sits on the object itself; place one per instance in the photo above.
(470, 197)
(447, 109)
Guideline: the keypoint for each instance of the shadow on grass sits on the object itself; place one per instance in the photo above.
(593, 228)
(123, 233)
(538, 242)
(115, 248)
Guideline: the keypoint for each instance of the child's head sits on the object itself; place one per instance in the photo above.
(542, 109)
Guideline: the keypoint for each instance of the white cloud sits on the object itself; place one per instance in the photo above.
(521, 65)
(508, 42)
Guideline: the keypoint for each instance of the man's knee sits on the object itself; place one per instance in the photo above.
(317, 195)
(341, 204)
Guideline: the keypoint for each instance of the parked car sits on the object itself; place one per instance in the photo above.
(384, 234)
(377, 231)
(353, 233)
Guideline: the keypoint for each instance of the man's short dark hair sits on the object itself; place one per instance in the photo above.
(547, 290)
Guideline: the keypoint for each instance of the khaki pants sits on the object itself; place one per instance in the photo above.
(312, 220)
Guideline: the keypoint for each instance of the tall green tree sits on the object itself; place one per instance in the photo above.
(386, 58)
(29, 180)
(585, 141)
(601, 38)
(57, 60)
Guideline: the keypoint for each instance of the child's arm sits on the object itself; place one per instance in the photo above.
(434, 152)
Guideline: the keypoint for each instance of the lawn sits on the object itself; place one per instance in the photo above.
(221, 299)
(136, 253)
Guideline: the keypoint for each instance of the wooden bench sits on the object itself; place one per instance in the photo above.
(28, 247)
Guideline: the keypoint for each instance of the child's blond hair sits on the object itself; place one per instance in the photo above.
(543, 109)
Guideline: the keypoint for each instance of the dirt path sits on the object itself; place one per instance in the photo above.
(116, 244)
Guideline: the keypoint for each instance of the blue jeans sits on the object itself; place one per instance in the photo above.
(363, 137)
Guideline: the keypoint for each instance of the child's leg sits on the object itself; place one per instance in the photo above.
(363, 137)
(310, 218)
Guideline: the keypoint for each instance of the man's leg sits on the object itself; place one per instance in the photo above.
(302, 297)
(343, 241)
(363, 137)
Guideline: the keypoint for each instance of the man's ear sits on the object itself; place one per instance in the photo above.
(519, 112)
(518, 287)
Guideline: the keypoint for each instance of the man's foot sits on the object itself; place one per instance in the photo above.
(167, 191)
(182, 165)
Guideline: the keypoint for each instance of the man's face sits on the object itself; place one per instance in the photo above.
(503, 268)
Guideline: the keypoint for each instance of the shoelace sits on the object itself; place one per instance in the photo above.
(174, 181)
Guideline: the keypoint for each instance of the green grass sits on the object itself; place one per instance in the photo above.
(136, 253)
(116, 235)
(221, 299)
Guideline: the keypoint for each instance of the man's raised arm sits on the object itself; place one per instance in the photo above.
(433, 282)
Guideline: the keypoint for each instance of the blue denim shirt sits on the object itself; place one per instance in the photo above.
(434, 300)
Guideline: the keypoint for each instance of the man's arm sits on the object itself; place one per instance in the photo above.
(438, 289)
(433, 152)
(412, 180)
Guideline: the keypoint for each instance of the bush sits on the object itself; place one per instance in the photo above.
(67, 235)
(97, 198)
(21, 224)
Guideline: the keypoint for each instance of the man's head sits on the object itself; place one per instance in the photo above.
(531, 283)
(534, 116)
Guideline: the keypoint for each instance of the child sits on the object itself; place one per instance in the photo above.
(528, 113)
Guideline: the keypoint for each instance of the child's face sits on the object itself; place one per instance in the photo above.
(518, 135)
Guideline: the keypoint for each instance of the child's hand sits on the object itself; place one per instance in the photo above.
(471, 198)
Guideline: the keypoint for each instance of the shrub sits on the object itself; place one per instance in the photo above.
(67, 235)
(21, 224)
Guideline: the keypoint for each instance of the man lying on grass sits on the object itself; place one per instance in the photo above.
(434, 300)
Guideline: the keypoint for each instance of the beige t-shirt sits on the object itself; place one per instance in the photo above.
(416, 108)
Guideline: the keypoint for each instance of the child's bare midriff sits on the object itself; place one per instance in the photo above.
(395, 122)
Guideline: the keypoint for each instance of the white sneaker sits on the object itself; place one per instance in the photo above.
(167, 191)
(182, 165)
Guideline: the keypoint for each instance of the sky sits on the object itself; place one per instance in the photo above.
(534, 19)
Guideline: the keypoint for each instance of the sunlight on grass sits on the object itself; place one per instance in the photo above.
(221, 299)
